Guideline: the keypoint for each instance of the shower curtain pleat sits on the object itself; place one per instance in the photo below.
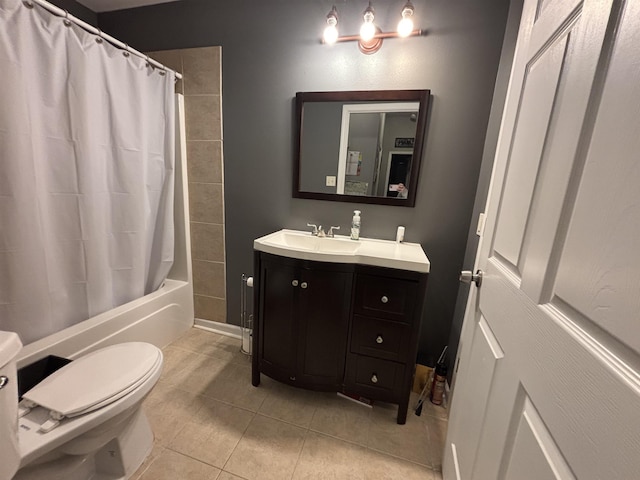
(86, 174)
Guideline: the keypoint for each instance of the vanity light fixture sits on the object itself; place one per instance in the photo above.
(331, 32)
(370, 38)
(405, 26)
(368, 29)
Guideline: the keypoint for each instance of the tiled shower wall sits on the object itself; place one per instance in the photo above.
(202, 88)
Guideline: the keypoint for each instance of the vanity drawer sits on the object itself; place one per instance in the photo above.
(375, 376)
(380, 338)
(385, 297)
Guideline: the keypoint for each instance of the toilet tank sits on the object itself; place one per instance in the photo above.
(10, 345)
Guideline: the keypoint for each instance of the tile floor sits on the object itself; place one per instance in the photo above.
(211, 423)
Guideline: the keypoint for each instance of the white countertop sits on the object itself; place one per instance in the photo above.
(341, 249)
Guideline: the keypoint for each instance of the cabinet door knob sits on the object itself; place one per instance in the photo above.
(374, 378)
(384, 299)
(294, 283)
(303, 285)
(293, 379)
(379, 339)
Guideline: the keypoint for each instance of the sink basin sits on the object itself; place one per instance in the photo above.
(305, 241)
(341, 249)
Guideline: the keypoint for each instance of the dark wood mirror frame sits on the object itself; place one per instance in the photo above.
(421, 96)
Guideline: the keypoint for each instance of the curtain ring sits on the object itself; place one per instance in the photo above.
(126, 50)
(99, 37)
(148, 61)
(163, 72)
(27, 4)
(66, 21)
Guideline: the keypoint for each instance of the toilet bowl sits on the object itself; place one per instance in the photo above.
(83, 421)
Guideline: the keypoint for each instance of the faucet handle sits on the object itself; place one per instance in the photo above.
(315, 228)
(331, 229)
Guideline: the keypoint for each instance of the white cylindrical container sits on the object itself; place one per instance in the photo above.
(400, 234)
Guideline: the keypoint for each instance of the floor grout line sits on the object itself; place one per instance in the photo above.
(218, 349)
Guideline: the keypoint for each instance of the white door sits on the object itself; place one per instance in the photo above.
(548, 384)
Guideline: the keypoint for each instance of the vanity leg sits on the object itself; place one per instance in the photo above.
(255, 371)
(402, 412)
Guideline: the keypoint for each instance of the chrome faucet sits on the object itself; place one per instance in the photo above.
(330, 232)
(317, 230)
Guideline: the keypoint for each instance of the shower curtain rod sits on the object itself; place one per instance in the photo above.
(90, 28)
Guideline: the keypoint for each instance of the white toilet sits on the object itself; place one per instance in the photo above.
(82, 422)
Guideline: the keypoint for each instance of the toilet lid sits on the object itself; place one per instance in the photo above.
(96, 379)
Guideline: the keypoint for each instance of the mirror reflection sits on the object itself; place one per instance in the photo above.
(360, 146)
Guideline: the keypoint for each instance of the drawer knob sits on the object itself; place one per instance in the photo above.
(293, 379)
(379, 339)
(374, 378)
(384, 299)
(294, 283)
(303, 285)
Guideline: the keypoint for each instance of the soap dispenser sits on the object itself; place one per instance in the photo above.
(355, 225)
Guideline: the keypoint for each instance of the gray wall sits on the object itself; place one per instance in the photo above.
(271, 50)
(493, 129)
(320, 145)
(77, 10)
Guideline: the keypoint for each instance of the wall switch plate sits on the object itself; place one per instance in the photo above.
(482, 218)
(331, 181)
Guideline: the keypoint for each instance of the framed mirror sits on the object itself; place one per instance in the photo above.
(360, 146)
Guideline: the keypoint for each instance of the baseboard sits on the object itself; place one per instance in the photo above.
(227, 329)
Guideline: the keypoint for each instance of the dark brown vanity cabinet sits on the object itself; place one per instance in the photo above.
(337, 327)
(302, 321)
(385, 326)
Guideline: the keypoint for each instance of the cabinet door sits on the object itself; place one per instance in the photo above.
(278, 339)
(323, 320)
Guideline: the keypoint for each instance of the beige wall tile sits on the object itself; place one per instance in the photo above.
(173, 60)
(203, 117)
(205, 202)
(204, 161)
(210, 308)
(208, 278)
(202, 70)
(169, 58)
(207, 241)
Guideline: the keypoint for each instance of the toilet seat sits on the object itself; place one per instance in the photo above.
(92, 381)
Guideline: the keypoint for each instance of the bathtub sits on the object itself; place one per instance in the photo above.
(159, 317)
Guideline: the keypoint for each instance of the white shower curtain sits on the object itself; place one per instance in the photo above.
(86, 173)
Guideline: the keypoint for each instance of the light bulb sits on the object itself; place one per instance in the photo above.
(330, 34)
(405, 26)
(368, 29)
